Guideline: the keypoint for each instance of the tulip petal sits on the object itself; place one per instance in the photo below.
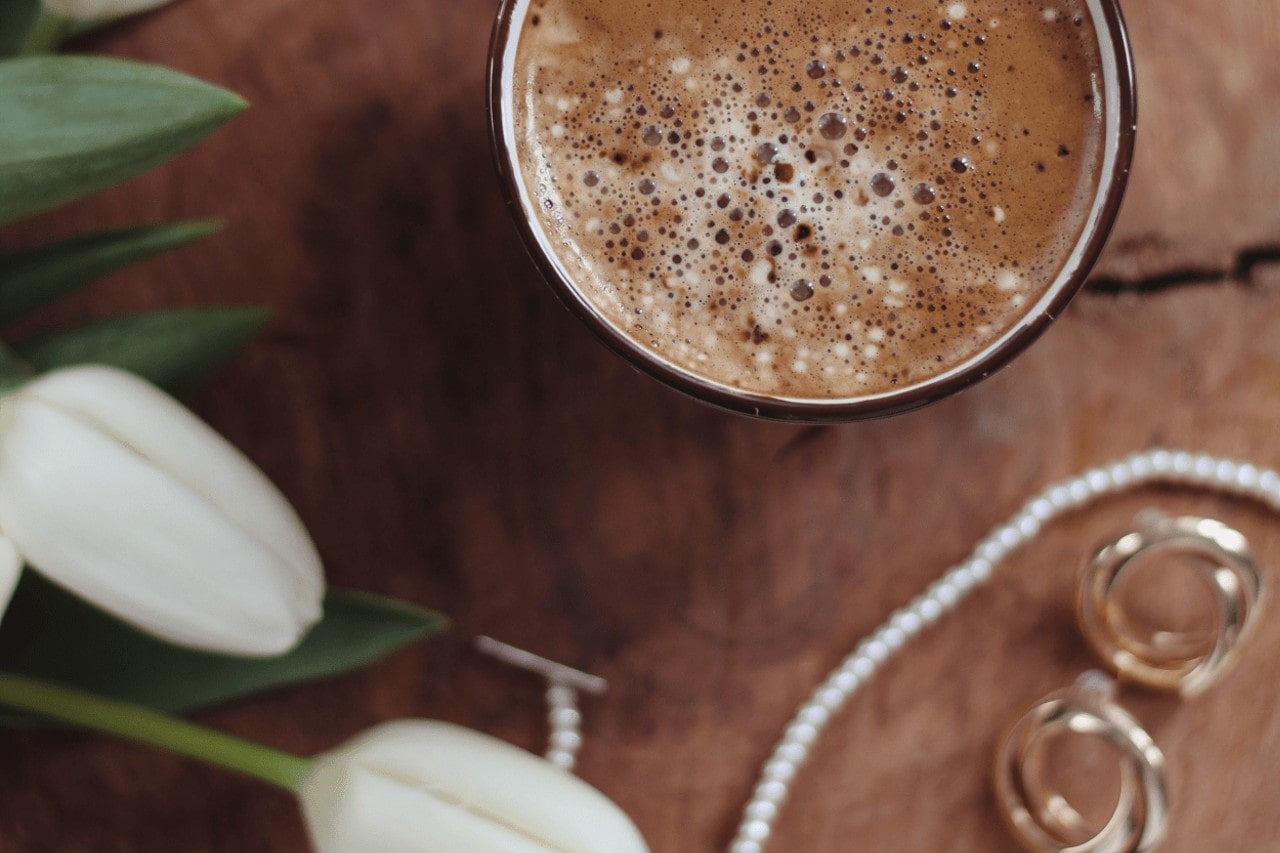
(10, 572)
(163, 431)
(420, 786)
(110, 526)
(377, 814)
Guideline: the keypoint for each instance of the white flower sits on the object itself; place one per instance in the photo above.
(92, 10)
(118, 493)
(418, 786)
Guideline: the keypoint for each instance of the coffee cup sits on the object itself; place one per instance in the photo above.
(811, 210)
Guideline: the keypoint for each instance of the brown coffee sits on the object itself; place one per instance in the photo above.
(817, 199)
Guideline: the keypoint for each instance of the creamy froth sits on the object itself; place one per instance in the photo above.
(810, 200)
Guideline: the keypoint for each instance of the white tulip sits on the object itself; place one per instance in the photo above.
(121, 495)
(96, 10)
(419, 786)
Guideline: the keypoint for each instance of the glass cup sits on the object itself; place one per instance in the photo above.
(1114, 77)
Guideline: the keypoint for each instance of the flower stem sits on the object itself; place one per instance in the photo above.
(144, 725)
(46, 33)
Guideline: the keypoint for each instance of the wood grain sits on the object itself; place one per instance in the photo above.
(452, 436)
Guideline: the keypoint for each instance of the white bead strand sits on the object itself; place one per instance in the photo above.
(566, 725)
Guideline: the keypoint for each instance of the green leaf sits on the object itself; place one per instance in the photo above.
(16, 20)
(50, 634)
(73, 125)
(173, 349)
(35, 277)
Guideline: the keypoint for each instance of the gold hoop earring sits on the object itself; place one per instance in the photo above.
(1165, 660)
(1041, 819)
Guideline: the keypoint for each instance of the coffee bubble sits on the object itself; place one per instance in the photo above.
(882, 184)
(802, 290)
(923, 194)
(833, 126)
(766, 153)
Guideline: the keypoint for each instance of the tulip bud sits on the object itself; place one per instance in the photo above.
(95, 10)
(118, 493)
(419, 786)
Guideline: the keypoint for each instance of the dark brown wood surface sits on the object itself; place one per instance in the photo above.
(452, 436)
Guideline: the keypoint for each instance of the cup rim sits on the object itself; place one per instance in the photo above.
(1110, 189)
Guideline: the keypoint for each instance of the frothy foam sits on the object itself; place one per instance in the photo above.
(810, 200)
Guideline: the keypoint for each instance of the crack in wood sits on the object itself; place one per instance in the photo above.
(1241, 272)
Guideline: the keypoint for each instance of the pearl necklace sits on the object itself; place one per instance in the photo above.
(1152, 466)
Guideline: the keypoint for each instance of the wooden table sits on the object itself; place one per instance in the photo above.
(452, 436)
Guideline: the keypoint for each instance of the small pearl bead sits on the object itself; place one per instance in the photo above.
(1028, 526)
(1060, 497)
(762, 811)
(756, 830)
(862, 667)
(832, 699)
(1162, 461)
(907, 622)
(566, 740)
(876, 651)
(1041, 509)
(779, 771)
(1204, 467)
(1269, 487)
(1247, 477)
(746, 846)
(565, 717)
(1141, 465)
(771, 791)
(796, 753)
(805, 733)
(1183, 463)
(963, 578)
(981, 569)
(991, 550)
(846, 680)
(815, 714)
(563, 760)
(1098, 481)
(946, 593)
(1009, 537)
(559, 694)
(930, 609)
(1120, 474)
(1079, 492)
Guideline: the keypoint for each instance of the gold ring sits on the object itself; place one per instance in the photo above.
(1172, 660)
(1042, 820)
